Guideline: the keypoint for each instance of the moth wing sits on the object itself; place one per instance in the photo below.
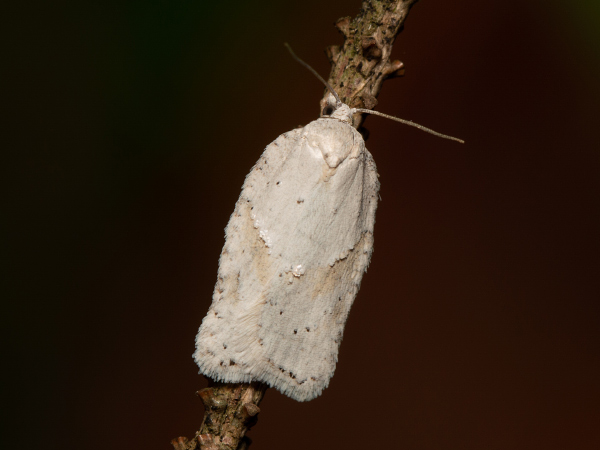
(299, 240)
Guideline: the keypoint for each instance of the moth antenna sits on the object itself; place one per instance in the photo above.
(337, 99)
(408, 122)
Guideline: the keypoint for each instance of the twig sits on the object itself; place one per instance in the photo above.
(359, 68)
(230, 409)
(362, 63)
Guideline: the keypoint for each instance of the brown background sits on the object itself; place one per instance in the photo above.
(135, 123)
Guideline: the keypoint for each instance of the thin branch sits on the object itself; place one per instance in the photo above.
(230, 409)
(362, 63)
(359, 68)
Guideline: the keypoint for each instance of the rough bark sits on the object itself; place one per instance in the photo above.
(362, 63)
(230, 409)
(359, 67)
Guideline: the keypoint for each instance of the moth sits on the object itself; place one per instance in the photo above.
(297, 246)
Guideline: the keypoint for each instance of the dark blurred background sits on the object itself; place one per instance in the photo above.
(131, 128)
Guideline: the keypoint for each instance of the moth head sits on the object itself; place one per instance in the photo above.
(337, 110)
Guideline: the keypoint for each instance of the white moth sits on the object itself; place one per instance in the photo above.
(297, 245)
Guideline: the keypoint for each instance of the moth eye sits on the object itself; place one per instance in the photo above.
(328, 111)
